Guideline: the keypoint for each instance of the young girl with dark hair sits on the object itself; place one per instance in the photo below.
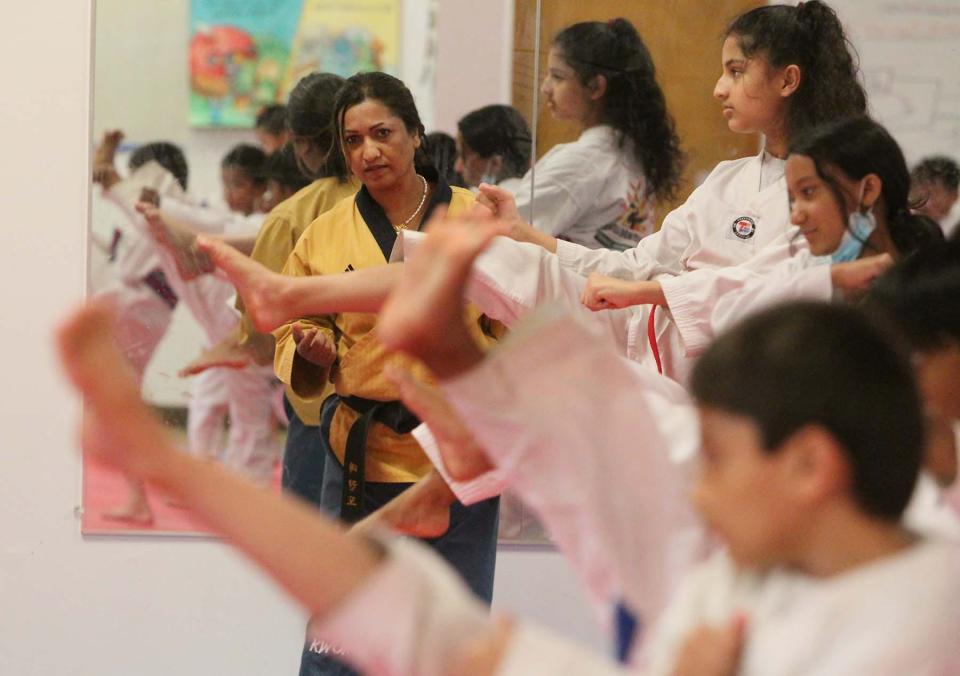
(602, 189)
(493, 146)
(740, 210)
(849, 193)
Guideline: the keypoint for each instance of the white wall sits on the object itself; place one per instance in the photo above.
(115, 606)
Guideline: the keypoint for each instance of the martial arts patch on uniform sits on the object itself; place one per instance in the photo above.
(744, 227)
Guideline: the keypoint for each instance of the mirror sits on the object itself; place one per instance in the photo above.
(197, 79)
(200, 87)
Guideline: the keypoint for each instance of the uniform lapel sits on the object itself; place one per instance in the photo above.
(380, 226)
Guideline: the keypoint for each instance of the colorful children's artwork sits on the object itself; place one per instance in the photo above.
(245, 54)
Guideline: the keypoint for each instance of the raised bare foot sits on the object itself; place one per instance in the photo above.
(463, 458)
(107, 148)
(136, 510)
(179, 241)
(222, 355)
(104, 171)
(263, 291)
(422, 511)
(424, 315)
(119, 431)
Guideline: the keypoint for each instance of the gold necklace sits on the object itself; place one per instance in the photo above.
(423, 199)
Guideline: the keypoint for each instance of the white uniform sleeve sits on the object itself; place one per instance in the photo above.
(567, 422)
(413, 616)
(560, 181)
(209, 220)
(487, 485)
(703, 302)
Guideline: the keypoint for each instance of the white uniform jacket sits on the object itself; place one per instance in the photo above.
(591, 191)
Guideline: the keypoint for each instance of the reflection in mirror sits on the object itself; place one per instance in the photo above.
(189, 130)
(604, 104)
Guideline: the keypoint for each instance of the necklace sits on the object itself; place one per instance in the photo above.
(423, 199)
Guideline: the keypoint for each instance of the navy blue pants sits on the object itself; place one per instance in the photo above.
(469, 546)
(304, 457)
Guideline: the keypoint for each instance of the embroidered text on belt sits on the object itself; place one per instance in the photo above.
(394, 415)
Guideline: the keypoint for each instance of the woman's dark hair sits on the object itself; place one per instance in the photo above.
(282, 167)
(858, 146)
(272, 119)
(389, 91)
(920, 296)
(633, 104)
(499, 130)
(810, 36)
(310, 117)
(441, 148)
(248, 159)
(828, 365)
(167, 155)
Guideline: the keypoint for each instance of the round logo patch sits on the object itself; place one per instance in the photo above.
(744, 227)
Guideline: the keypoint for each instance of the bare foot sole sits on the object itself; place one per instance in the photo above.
(179, 241)
(422, 511)
(262, 290)
(423, 316)
(139, 515)
(219, 356)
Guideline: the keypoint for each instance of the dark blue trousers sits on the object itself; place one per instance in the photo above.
(470, 544)
(304, 457)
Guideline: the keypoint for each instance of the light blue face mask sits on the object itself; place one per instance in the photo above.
(860, 226)
(488, 176)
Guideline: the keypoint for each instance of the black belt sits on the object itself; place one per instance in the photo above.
(157, 281)
(394, 415)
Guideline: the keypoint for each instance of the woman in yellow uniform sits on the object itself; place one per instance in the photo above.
(372, 456)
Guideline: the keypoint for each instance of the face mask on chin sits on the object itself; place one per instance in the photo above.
(860, 225)
(489, 177)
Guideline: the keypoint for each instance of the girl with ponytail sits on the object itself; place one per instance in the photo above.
(849, 193)
(602, 189)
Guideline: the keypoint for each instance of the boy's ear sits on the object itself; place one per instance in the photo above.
(790, 80)
(816, 465)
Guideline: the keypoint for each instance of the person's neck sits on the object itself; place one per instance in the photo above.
(592, 119)
(775, 143)
(845, 539)
(401, 199)
(879, 241)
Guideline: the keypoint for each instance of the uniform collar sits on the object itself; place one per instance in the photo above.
(380, 226)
